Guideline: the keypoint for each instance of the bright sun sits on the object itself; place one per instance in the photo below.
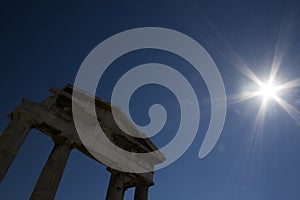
(268, 91)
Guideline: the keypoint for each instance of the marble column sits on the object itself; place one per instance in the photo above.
(141, 192)
(116, 188)
(52, 172)
(11, 140)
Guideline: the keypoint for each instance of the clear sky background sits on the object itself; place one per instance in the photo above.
(43, 44)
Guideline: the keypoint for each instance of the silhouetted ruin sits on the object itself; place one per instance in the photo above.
(53, 117)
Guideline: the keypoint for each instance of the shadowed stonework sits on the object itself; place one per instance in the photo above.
(53, 117)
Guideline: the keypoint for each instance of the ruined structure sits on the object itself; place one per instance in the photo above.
(53, 117)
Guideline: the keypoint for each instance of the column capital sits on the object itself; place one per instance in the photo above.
(145, 179)
(60, 140)
(144, 184)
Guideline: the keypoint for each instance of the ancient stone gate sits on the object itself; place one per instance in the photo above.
(53, 117)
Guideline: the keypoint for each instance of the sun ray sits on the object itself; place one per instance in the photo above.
(227, 51)
(285, 33)
(270, 91)
(292, 111)
(268, 88)
(260, 117)
(250, 74)
(290, 84)
(237, 98)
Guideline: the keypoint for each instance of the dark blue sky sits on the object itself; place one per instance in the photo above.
(43, 44)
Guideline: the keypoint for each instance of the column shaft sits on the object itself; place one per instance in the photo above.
(52, 172)
(115, 189)
(141, 192)
(11, 140)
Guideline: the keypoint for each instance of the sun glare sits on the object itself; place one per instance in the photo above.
(268, 91)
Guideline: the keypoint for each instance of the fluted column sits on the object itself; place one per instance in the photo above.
(11, 140)
(52, 172)
(116, 188)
